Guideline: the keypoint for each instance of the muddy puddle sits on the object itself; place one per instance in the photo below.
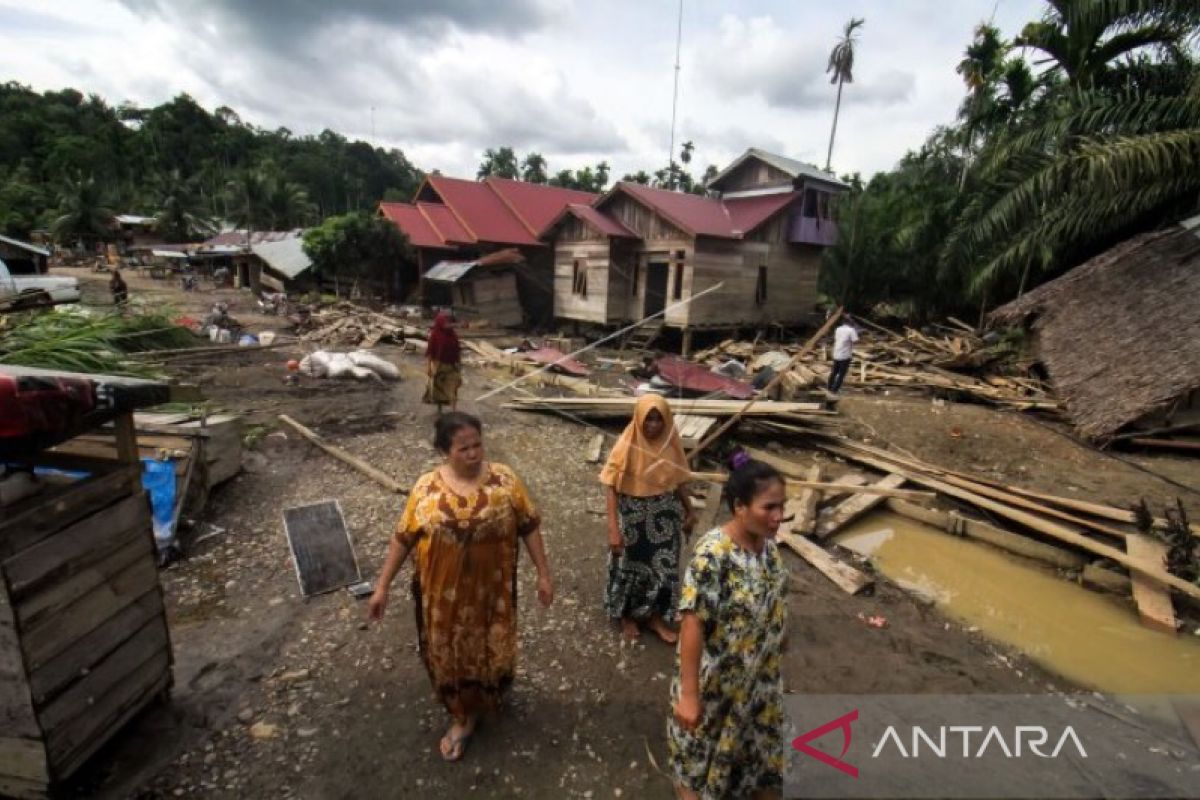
(1090, 638)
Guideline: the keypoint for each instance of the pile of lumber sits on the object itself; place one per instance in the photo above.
(1065, 532)
(346, 325)
(799, 415)
(486, 353)
(950, 361)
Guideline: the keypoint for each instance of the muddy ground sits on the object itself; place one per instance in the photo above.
(276, 695)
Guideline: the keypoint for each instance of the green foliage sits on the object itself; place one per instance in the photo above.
(84, 214)
(131, 153)
(360, 245)
(73, 340)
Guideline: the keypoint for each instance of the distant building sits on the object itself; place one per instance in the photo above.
(23, 258)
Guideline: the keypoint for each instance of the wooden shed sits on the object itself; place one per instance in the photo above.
(484, 289)
(84, 644)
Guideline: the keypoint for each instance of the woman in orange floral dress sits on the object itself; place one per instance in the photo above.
(464, 520)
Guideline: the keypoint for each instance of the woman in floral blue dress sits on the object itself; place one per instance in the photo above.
(725, 736)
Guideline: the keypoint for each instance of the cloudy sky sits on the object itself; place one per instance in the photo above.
(577, 80)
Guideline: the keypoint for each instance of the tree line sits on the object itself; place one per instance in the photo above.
(1077, 132)
(68, 162)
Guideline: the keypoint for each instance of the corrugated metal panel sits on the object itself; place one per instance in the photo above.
(794, 168)
(697, 215)
(445, 224)
(450, 271)
(600, 221)
(415, 226)
(286, 257)
(486, 216)
(537, 204)
(747, 213)
(26, 246)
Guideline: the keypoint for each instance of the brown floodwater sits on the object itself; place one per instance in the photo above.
(1093, 639)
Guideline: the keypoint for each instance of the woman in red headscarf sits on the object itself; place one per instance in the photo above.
(444, 356)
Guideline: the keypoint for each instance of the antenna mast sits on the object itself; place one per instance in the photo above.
(675, 92)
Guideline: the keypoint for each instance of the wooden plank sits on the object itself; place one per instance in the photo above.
(73, 744)
(595, 449)
(103, 677)
(707, 518)
(341, 455)
(1153, 601)
(958, 525)
(24, 759)
(849, 510)
(77, 546)
(83, 578)
(54, 634)
(53, 511)
(16, 706)
(798, 488)
(75, 662)
(805, 521)
(1098, 576)
(848, 579)
(127, 447)
(1047, 527)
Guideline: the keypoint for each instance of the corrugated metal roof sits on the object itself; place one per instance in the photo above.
(693, 213)
(536, 204)
(791, 166)
(598, 220)
(238, 237)
(485, 215)
(450, 271)
(31, 248)
(747, 213)
(413, 223)
(286, 257)
(445, 224)
(168, 253)
(134, 219)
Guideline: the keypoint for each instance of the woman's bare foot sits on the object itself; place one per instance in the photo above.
(662, 630)
(630, 630)
(454, 742)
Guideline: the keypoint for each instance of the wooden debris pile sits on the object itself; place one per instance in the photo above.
(345, 325)
(953, 362)
(1090, 540)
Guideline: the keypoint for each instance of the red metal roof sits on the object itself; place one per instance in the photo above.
(747, 213)
(597, 219)
(486, 217)
(707, 216)
(409, 219)
(695, 214)
(535, 204)
(444, 222)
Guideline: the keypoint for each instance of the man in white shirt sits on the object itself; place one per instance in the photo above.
(843, 349)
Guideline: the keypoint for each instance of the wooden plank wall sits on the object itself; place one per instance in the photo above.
(754, 174)
(577, 240)
(496, 298)
(792, 272)
(82, 615)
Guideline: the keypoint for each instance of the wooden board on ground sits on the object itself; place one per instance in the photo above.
(847, 578)
(595, 449)
(693, 427)
(805, 506)
(1153, 600)
(712, 506)
(321, 548)
(849, 510)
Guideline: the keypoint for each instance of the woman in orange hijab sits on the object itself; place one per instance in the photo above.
(648, 515)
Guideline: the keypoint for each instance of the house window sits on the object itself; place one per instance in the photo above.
(810, 203)
(579, 277)
(637, 274)
(680, 255)
(760, 287)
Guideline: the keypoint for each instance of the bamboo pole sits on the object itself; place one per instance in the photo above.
(344, 457)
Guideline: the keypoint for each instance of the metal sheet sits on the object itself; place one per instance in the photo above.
(321, 549)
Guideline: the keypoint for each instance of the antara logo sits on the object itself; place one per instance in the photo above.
(1024, 738)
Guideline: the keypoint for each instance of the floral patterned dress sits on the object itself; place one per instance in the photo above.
(739, 599)
(465, 583)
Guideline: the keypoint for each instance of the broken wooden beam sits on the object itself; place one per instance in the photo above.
(806, 504)
(595, 449)
(707, 518)
(849, 510)
(1153, 601)
(1048, 527)
(848, 579)
(958, 525)
(796, 488)
(341, 455)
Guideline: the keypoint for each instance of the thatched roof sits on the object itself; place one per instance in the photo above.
(1120, 334)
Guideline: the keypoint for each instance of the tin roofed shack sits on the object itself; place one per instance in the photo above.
(483, 290)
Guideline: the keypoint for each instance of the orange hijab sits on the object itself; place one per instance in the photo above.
(642, 467)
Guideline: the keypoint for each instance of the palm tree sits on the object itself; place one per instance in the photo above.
(181, 216)
(1082, 38)
(84, 214)
(1113, 163)
(533, 168)
(841, 64)
(685, 152)
(287, 204)
(501, 162)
